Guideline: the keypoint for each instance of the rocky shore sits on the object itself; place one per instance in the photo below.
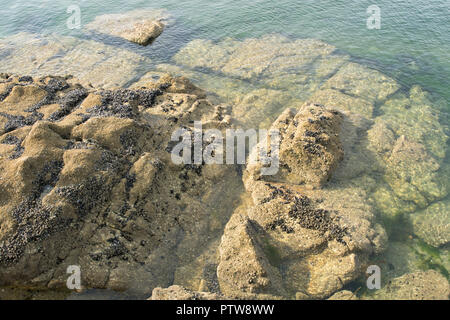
(86, 175)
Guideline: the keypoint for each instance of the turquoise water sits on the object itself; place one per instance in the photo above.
(413, 44)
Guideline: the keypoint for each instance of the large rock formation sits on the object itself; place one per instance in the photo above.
(293, 240)
(87, 179)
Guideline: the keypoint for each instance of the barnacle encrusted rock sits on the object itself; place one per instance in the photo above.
(87, 179)
(310, 148)
(299, 241)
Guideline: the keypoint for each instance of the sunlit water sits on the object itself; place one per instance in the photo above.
(412, 46)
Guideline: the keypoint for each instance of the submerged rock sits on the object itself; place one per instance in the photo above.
(91, 62)
(410, 144)
(180, 293)
(356, 80)
(288, 70)
(139, 26)
(433, 223)
(343, 295)
(428, 285)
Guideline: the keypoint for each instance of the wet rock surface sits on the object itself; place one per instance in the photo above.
(310, 146)
(93, 185)
(93, 63)
(429, 285)
(311, 240)
(433, 223)
(180, 293)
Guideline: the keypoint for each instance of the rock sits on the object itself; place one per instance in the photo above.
(341, 101)
(433, 223)
(356, 80)
(343, 295)
(180, 293)
(243, 266)
(139, 26)
(409, 142)
(91, 183)
(257, 108)
(86, 175)
(428, 285)
(413, 174)
(91, 62)
(416, 118)
(399, 258)
(296, 66)
(301, 241)
(381, 137)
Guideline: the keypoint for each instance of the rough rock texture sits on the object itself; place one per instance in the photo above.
(433, 223)
(310, 148)
(289, 71)
(394, 163)
(91, 62)
(180, 293)
(343, 295)
(140, 26)
(429, 285)
(291, 240)
(87, 179)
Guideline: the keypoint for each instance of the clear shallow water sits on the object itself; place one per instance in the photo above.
(412, 45)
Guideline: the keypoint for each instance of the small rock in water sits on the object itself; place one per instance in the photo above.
(141, 27)
(144, 33)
